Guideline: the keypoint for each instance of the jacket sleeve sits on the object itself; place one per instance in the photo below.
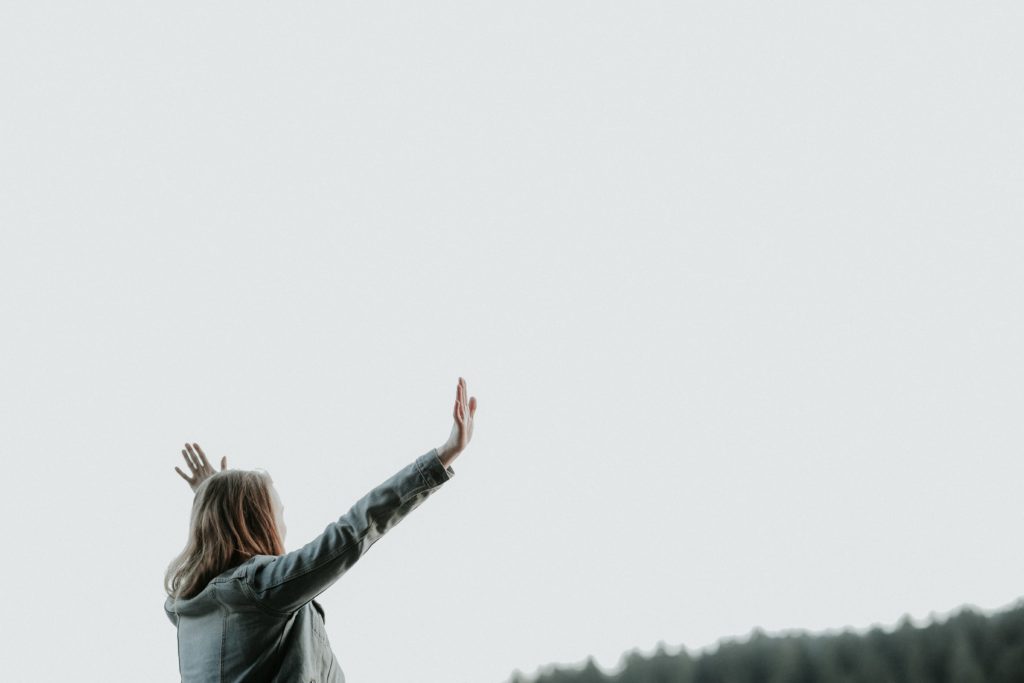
(287, 582)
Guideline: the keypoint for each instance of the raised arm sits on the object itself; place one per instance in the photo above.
(286, 582)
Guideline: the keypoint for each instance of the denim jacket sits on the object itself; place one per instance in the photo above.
(259, 622)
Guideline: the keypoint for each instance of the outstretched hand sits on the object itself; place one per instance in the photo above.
(462, 431)
(200, 466)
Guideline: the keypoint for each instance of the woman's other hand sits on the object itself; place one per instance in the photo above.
(462, 431)
(200, 466)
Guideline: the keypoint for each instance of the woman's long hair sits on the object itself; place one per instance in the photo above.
(232, 520)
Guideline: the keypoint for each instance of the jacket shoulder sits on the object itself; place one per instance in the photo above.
(169, 610)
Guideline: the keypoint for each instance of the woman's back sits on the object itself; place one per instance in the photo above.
(259, 622)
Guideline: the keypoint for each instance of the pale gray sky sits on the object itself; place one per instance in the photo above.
(737, 285)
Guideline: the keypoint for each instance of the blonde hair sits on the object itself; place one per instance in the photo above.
(232, 520)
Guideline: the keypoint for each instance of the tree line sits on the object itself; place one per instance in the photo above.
(968, 647)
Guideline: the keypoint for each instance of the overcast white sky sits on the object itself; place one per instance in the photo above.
(737, 286)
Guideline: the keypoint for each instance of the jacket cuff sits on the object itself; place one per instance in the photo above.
(433, 472)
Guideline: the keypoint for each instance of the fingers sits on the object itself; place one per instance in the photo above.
(468, 402)
(197, 459)
(188, 460)
(224, 463)
(465, 405)
(458, 401)
(202, 455)
(193, 461)
(183, 475)
(193, 458)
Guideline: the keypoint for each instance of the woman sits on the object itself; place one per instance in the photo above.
(244, 608)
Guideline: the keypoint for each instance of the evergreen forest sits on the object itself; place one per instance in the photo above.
(967, 647)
